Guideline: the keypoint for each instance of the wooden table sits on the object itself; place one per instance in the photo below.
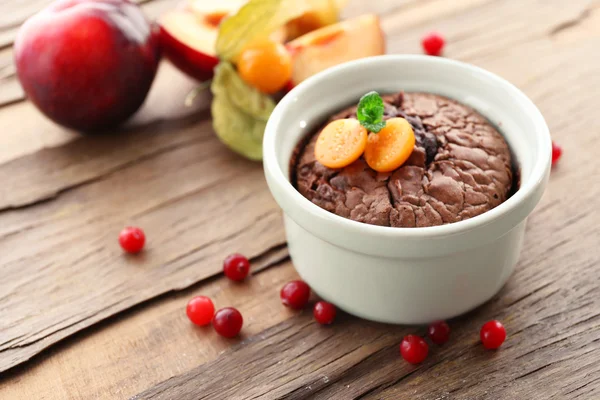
(78, 319)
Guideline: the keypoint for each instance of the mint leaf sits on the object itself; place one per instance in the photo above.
(370, 112)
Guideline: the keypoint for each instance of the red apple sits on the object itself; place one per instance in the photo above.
(189, 42)
(335, 44)
(87, 64)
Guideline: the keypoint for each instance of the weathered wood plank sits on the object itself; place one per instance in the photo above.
(45, 173)
(26, 130)
(97, 161)
(10, 89)
(137, 338)
(192, 216)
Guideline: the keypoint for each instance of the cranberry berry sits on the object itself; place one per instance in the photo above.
(492, 334)
(228, 322)
(439, 332)
(556, 153)
(324, 312)
(295, 294)
(200, 310)
(433, 43)
(132, 239)
(236, 267)
(414, 349)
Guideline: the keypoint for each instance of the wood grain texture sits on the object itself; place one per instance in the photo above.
(192, 217)
(298, 359)
(146, 353)
(550, 306)
(98, 180)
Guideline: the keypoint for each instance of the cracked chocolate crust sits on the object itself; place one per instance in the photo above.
(460, 168)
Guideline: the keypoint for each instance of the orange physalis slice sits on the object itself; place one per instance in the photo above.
(266, 65)
(341, 143)
(391, 147)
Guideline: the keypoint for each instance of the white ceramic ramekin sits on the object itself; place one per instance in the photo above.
(406, 275)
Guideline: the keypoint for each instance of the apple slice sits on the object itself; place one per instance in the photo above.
(335, 44)
(189, 43)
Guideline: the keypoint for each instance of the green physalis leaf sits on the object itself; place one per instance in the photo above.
(370, 112)
(239, 111)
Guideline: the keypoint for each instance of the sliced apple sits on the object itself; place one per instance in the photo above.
(189, 43)
(335, 44)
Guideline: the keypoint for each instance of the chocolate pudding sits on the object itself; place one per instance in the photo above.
(460, 167)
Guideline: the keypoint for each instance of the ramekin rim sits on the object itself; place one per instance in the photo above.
(540, 165)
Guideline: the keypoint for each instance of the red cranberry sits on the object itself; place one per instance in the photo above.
(433, 43)
(324, 312)
(200, 310)
(132, 239)
(228, 322)
(295, 294)
(556, 153)
(414, 349)
(439, 332)
(236, 267)
(492, 334)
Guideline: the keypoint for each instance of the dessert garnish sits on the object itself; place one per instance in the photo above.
(385, 149)
(370, 112)
(341, 143)
(391, 147)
